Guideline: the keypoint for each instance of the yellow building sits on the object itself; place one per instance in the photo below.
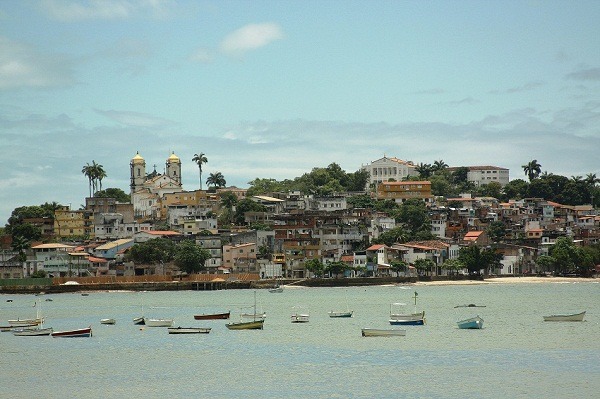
(70, 223)
(402, 190)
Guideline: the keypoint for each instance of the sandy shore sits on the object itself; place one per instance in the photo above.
(513, 280)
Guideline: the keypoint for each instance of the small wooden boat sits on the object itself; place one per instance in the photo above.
(471, 305)
(565, 317)
(107, 321)
(300, 315)
(380, 332)
(26, 322)
(32, 332)
(246, 325)
(12, 328)
(139, 321)
(255, 324)
(472, 323)
(158, 322)
(213, 316)
(409, 319)
(188, 330)
(341, 314)
(82, 332)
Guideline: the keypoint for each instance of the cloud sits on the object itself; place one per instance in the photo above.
(202, 56)
(250, 37)
(24, 66)
(68, 11)
(585, 74)
(135, 119)
(465, 101)
(518, 89)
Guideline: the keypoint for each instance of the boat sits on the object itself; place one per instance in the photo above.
(412, 319)
(158, 322)
(107, 321)
(82, 332)
(262, 315)
(188, 330)
(472, 323)
(32, 332)
(471, 305)
(13, 328)
(299, 315)
(213, 316)
(254, 324)
(25, 322)
(566, 317)
(35, 330)
(382, 332)
(276, 289)
(139, 320)
(341, 314)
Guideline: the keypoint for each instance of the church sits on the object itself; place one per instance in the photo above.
(148, 189)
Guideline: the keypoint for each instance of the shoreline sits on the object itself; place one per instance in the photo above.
(512, 280)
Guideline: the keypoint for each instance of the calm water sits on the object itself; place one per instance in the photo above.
(515, 355)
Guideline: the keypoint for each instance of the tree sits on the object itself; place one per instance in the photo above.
(95, 173)
(191, 258)
(27, 231)
(424, 169)
(315, 266)
(158, 250)
(392, 236)
(496, 231)
(116, 193)
(546, 262)
(439, 166)
(424, 266)
(200, 159)
(88, 171)
(476, 260)
(414, 215)
(246, 205)
(532, 169)
(399, 266)
(228, 200)
(216, 180)
(336, 268)
(515, 189)
(453, 265)
(20, 245)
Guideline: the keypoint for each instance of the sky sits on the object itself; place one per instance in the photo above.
(272, 89)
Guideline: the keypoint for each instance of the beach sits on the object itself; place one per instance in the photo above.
(512, 280)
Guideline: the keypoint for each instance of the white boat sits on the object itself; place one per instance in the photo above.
(299, 315)
(473, 323)
(277, 289)
(107, 321)
(566, 317)
(37, 330)
(188, 330)
(158, 322)
(348, 313)
(415, 318)
(262, 315)
(25, 322)
(381, 332)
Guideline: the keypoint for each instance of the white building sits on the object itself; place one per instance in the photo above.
(385, 168)
(482, 175)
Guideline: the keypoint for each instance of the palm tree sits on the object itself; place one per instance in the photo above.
(99, 173)
(88, 171)
(200, 159)
(591, 179)
(532, 169)
(439, 165)
(424, 170)
(216, 180)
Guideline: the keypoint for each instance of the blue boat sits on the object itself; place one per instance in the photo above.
(474, 323)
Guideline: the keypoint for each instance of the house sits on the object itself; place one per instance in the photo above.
(144, 236)
(483, 175)
(240, 258)
(403, 190)
(479, 238)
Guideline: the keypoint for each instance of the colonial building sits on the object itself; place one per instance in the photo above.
(386, 169)
(482, 175)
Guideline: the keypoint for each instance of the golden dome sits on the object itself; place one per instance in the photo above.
(173, 158)
(137, 158)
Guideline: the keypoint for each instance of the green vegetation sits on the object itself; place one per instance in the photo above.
(188, 256)
(95, 173)
(200, 159)
(116, 193)
(191, 258)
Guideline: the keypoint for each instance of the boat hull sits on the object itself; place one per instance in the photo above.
(139, 321)
(411, 319)
(246, 325)
(341, 314)
(158, 322)
(299, 318)
(474, 323)
(80, 333)
(276, 289)
(378, 332)
(33, 332)
(214, 316)
(108, 321)
(566, 317)
(25, 322)
(188, 330)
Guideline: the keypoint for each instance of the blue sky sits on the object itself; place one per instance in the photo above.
(272, 89)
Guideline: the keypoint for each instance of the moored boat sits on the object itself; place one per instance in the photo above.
(188, 330)
(246, 325)
(107, 321)
(409, 319)
(81, 332)
(341, 313)
(25, 322)
(212, 316)
(300, 315)
(566, 317)
(381, 332)
(32, 332)
(471, 323)
(158, 322)
(139, 321)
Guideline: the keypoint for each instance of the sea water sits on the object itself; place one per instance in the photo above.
(515, 355)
